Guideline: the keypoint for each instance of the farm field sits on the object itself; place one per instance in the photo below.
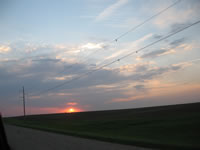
(170, 127)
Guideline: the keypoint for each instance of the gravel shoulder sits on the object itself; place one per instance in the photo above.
(20, 138)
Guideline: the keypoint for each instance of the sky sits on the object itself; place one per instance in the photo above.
(62, 53)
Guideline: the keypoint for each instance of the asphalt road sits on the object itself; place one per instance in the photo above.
(29, 139)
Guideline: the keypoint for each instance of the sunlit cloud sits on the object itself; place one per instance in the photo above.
(108, 87)
(188, 46)
(63, 94)
(92, 46)
(34, 97)
(61, 46)
(117, 100)
(130, 69)
(105, 86)
(59, 78)
(4, 49)
(66, 77)
(72, 103)
(187, 63)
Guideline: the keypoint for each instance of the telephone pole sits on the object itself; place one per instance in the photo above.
(24, 102)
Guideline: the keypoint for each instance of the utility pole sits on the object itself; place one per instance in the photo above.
(24, 102)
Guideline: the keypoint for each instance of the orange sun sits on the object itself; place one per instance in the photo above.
(71, 110)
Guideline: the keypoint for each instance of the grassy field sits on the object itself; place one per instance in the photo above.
(165, 127)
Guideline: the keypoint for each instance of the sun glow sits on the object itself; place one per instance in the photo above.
(71, 110)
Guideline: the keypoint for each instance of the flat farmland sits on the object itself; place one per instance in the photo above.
(163, 127)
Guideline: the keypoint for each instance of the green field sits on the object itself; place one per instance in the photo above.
(165, 127)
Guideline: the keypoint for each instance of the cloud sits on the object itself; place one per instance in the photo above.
(178, 16)
(42, 74)
(110, 10)
(46, 59)
(126, 23)
(102, 83)
(139, 87)
(173, 17)
(92, 46)
(127, 99)
(186, 63)
(116, 54)
(174, 27)
(124, 49)
(4, 49)
(128, 70)
(62, 94)
(72, 103)
(177, 42)
(157, 53)
(174, 93)
(67, 77)
(59, 53)
(157, 36)
(79, 52)
(171, 48)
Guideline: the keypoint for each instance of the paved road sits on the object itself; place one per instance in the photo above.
(29, 139)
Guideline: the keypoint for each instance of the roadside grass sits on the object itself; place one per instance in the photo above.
(163, 127)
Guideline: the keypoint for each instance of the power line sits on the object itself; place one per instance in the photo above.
(115, 39)
(123, 57)
(137, 26)
(125, 33)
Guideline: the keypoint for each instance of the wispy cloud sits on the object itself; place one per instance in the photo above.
(187, 63)
(179, 17)
(158, 53)
(177, 90)
(110, 10)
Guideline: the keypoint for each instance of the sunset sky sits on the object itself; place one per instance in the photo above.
(47, 43)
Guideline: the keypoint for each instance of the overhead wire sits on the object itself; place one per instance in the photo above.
(120, 58)
(137, 26)
(123, 34)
